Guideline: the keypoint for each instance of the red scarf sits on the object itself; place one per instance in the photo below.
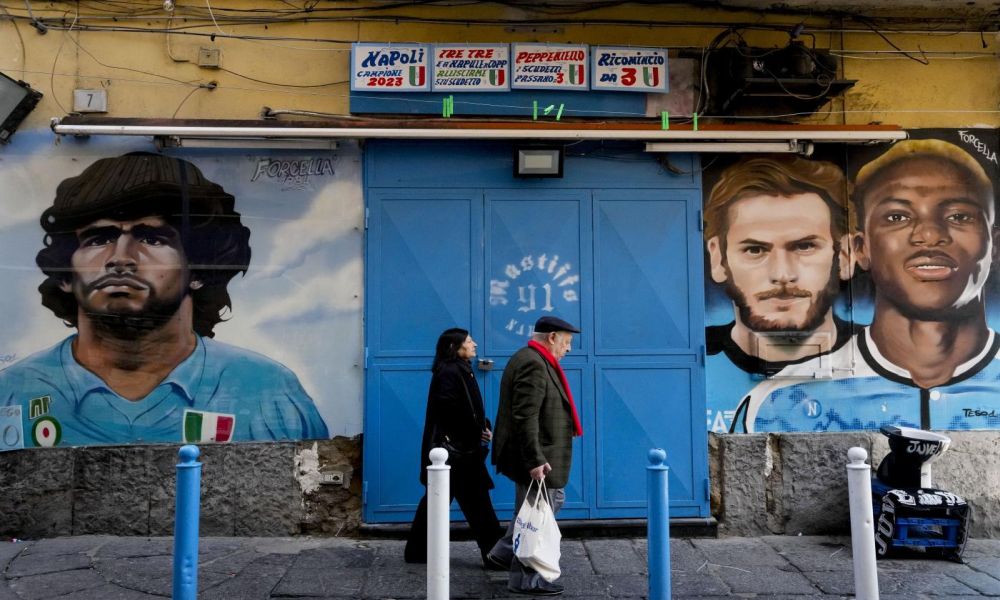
(577, 427)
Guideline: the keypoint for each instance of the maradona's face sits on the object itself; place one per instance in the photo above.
(927, 238)
(129, 268)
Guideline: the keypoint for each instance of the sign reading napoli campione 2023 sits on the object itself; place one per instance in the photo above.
(506, 67)
(854, 289)
(158, 298)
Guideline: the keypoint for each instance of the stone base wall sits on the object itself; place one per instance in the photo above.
(761, 484)
(274, 489)
(797, 483)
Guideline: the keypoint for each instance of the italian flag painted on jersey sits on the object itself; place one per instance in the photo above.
(208, 426)
(651, 76)
(46, 432)
(418, 75)
(497, 77)
(576, 74)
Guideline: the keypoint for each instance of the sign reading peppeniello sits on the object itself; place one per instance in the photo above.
(466, 68)
(390, 67)
(550, 67)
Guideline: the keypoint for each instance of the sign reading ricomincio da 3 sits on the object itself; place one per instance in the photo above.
(550, 67)
(471, 68)
(390, 67)
(624, 69)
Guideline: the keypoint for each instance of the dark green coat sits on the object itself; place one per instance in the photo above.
(534, 423)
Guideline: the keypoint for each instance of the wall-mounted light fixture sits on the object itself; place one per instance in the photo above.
(538, 161)
(17, 99)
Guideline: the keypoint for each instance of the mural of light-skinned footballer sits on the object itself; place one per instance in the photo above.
(928, 359)
(777, 236)
(138, 253)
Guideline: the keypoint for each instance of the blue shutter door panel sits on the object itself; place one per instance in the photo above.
(624, 263)
(419, 258)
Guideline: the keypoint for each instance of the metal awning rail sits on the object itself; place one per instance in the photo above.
(447, 129)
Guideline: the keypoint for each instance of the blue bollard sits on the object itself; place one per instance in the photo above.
(658, 525)
(186, 524)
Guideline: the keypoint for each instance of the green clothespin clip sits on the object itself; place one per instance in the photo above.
(559, 114)
(695, 115)
(534, 110)
(549, 108)
(665, 120)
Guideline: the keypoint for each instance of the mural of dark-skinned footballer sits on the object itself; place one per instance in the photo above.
(139, 251)
(928, 359)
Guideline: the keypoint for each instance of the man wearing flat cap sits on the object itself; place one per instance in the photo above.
(533, 437)
(139, 251)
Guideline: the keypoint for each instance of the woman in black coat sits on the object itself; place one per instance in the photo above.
(456, 421)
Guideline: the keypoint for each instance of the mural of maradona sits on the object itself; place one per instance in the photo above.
(138, 253)
(928, 359)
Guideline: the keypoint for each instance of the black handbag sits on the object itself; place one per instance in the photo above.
(457, 456)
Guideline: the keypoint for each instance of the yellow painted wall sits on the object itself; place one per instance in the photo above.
(153, 75)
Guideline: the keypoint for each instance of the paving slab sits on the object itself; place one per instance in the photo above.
(753, 579)
(255, 581)
(627, 586)
(110, 592)
(51, 585)
(806, 554)
(136, 547)
(745, 552)
(37, 563)
(696, 583)
(614, 557)
(70, 545)
(684, 556)
(981, 582)
(922, 582)
(985, 564)
(314, 581)
(587, 585)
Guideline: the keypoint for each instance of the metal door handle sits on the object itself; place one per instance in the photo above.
(485, 364)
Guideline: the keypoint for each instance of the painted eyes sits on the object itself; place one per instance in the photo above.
(800, 247)
(958, 218)
(961, 218)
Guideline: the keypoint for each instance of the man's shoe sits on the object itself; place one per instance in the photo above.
(542, 588)
(492, 563)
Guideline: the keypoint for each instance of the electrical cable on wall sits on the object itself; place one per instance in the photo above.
(733, 36)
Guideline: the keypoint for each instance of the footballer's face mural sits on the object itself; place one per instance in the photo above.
(779, 261)
(928, 238)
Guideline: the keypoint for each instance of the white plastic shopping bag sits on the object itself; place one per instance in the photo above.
(536, 535)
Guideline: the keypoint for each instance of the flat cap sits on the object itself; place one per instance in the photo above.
(549, 324)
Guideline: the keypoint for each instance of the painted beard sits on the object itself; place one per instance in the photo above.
(129, 324)
(818, 309)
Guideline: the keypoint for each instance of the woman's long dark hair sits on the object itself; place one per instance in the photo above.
(447, 347)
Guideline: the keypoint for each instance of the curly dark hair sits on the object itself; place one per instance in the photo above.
(136, 185)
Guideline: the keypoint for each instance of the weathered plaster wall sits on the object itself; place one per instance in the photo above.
(155, 75)
(797, 483)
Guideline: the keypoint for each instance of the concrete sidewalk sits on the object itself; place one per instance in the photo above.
(777, 567)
